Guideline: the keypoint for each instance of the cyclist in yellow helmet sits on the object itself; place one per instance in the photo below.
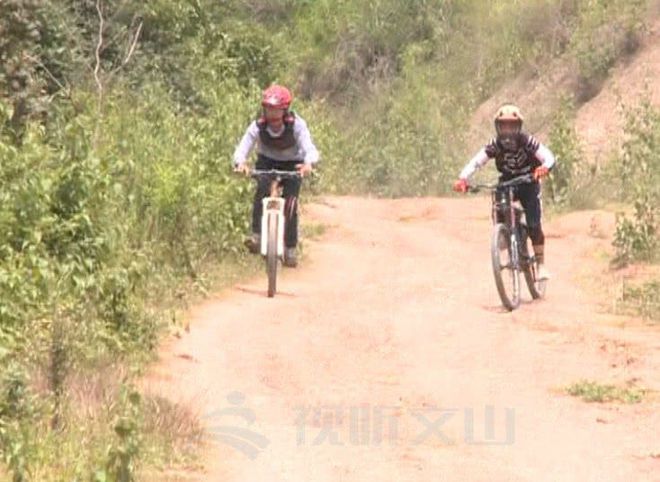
(516, 153)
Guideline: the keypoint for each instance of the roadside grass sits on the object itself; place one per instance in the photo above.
(592, 391)
(313, 230)
(154, 435)
(641, 299)
(175, 435)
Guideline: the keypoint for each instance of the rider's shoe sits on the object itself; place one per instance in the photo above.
(253, 243)
(290, 258)
(542, 273)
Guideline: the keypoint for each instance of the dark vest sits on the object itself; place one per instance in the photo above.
(284, 141)
(518, 161)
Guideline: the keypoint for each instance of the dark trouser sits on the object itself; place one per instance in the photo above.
(530, 198)
(290, 191)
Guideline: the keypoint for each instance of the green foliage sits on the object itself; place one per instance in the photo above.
(348, 44)
(605, 30)
(18, 413)
(414, 140)
(122, 455)
(640, 165)
(571, 182)
(636, 238)
(564, 143)
(107, 208)
(114, 170)
(591, 391)
(406, 87)
(19, 34)
(191, 46)
(508, 37)
(642, 300)
(172, 431)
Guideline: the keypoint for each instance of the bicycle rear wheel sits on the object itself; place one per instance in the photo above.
(271, 255)
(529, 267)
(506, 274)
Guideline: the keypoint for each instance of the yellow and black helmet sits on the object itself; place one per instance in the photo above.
(509, 113)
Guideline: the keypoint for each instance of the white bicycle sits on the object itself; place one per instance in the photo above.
(272, 222)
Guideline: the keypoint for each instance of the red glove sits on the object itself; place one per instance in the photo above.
(541, 172)
(461, 185)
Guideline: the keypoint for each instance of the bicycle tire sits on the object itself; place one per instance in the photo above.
(536, 288)
(501, 243)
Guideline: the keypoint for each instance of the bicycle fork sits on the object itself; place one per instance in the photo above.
(513, 216)
(272, 206)
(515, 254)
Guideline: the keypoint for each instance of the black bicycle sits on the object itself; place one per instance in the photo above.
(272, 222)
(511, 248)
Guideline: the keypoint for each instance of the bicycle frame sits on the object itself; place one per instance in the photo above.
(273, 205)
(273, 222)
(508, 227)
(503, 204)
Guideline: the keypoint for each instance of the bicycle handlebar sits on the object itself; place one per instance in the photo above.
(257, 173)
(524, 179)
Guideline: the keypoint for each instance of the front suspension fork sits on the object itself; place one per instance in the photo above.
(272, 206)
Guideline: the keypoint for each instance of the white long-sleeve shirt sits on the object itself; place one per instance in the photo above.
(541, 152)
(304, 150)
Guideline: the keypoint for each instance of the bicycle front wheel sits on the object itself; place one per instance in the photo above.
(271, 254)
(506, 273)
(536, 287)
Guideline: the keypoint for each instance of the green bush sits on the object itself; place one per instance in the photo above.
(114, 198)
(642, 300)
(19, 414)
(564, 143)
(410, 93)
(574, 183)
(606, 30)
(347, 46)
(636, 238)
(124, 453)
(107, 209)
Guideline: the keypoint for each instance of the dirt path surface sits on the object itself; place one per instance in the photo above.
(378, 360)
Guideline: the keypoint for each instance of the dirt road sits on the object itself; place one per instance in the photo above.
(384, 352)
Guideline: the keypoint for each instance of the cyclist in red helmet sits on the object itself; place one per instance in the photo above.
(284, 143)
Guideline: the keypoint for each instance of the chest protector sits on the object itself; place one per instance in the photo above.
(517, 161)
(285, 141)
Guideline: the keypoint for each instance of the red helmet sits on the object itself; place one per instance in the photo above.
(277, 97)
